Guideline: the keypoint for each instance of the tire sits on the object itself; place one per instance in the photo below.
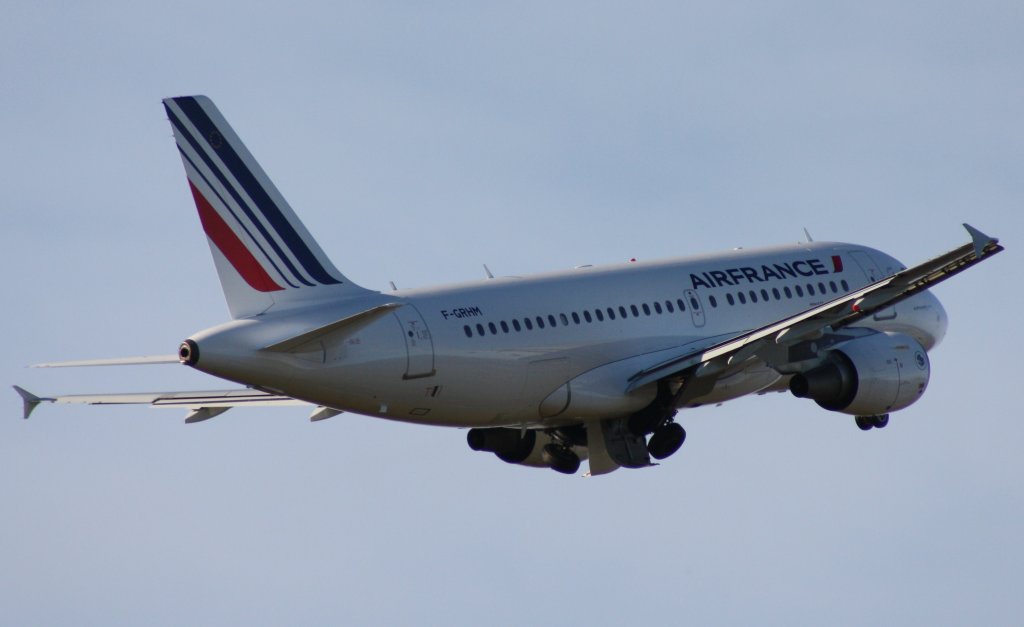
(560, 459)
(881, 421)
(865, 423)
(666, 440)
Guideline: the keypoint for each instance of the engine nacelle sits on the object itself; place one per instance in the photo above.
(868, 376)
(515, 447)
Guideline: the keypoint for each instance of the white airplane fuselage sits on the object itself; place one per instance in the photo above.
(538, 351)
(546, 370)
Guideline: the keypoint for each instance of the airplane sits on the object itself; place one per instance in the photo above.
(592, 363)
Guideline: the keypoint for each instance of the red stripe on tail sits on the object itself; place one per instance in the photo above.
(837, 263)
(228, 243)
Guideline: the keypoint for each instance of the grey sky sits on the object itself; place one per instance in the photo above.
(417, 143)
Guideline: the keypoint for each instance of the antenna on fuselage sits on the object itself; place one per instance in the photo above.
(394, 288)
(808, 234)
(487, 271)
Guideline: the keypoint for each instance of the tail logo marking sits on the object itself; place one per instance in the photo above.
(218, 160)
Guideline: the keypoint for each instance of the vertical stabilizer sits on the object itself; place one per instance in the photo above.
(264, 256)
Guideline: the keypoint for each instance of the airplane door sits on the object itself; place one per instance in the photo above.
(871, 271)
(418, 343)
(696, 311)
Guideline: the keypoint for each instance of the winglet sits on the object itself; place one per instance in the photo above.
(980, 239)
(30, 400)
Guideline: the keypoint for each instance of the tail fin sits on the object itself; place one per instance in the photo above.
(265, 257)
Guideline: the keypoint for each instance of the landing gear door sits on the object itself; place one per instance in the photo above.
(872, 272)
(418, 343)
(696, 310)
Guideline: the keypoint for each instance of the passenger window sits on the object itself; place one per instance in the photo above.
(788, 293)
(753, 296)
(832, 284)
(713, 301)
(647, 310)
(728, 297)
(657, 307)
(764, 295)
(682, 305)
(575, 317)
(810, 290)
(743, 299)
(480, 329)
(636, 313)
(846, 286)
(587, 316)
(494, 329)
(515, 325)
(468, 331)
(821, 288)
(564, 319)
(599, 314)
(611, 313)
(799, 290)
(540, 322)
(668, 305)
(622, 312)
(775, 293)
(551, 321)
(694, 303)
(529, 325)
(504, 326)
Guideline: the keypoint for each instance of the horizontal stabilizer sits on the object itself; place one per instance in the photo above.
(116, 361)
(351, 324)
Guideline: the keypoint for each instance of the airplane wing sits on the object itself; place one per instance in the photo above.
(830, 316)
(202, 405)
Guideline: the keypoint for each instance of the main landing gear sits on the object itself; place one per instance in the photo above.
(666, 440)
(560, 458)
(867, 423)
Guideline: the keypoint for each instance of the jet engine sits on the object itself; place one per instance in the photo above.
(531, 448)
(867, 376)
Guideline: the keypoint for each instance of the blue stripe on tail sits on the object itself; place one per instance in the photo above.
(215, 169)
(194, 111)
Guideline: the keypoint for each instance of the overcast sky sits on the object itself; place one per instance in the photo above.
(417, 144)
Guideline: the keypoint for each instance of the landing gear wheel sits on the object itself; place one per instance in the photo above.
(560, 458)
(880, 420)
(866, 423)
(666, 440)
